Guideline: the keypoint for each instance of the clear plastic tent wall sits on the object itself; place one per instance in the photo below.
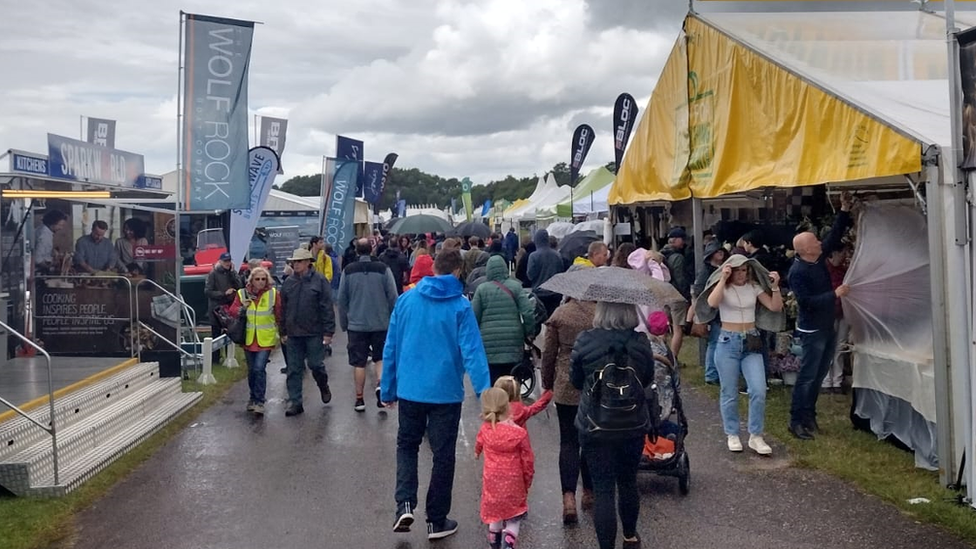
(889, 310)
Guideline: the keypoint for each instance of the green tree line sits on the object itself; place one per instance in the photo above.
(418, 187)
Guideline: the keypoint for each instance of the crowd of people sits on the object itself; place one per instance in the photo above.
(483, 301)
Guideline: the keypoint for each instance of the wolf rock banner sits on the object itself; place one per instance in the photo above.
(582, 140)
(101, 132)
(262, 167)
(216, 56)
(466, 197)
(272, 135)
(351, 149)
(340, 213)
(624, 117)
(373, 184)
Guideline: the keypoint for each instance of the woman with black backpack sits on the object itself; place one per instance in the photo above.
(613, 365)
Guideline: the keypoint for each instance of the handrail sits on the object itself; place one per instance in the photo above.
(176, 346)
(50, 398)
(133, 311)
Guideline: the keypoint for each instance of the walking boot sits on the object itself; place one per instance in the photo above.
(586, 502)
(569, 508)
(323, 383)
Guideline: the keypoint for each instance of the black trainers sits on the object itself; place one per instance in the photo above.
(294, 409)
(404, 518)
(379, 401)
(360, 405)
(326, 393)
(442, 529)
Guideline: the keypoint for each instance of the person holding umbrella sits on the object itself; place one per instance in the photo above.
(612, 433)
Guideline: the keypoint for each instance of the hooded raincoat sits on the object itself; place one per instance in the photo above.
(505, 318)
(508, 472)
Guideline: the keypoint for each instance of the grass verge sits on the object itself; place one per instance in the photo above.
(30, 523)
(855, 456)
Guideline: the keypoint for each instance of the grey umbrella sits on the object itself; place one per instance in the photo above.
(419, 224)
(614, 285)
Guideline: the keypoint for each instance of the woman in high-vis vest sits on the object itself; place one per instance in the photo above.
(260, 303)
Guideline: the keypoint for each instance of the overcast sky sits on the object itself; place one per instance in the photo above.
(481, 88)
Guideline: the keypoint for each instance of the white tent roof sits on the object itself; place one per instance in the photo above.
(891, 65)
(597, 203)
(543, 189)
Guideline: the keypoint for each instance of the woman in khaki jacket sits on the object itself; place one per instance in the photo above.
(566, 322)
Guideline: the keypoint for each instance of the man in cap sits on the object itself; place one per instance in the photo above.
(674, 258)
(221, 285)
(306, 299)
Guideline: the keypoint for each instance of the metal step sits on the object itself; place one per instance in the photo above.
(86, 435)
(18, 433)
(79, 471)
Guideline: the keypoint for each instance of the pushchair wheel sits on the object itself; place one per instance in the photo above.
(526, 380)
(684, 474)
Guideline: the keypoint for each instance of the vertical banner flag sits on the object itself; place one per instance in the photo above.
(351, 149)
(101, 132)
(215, 145)
(388, 163)
(485, 208)
(341, 211)
(582, 140)
(373, 184)
(262, 167)
(466, 197)
(624, 117)
(967, 73)
(272, 135)
(325, 190)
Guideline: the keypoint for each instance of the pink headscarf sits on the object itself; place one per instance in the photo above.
(639, 262)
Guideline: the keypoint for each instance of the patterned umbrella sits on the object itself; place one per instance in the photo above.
(614, 285)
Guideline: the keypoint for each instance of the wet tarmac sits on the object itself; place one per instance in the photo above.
(325, 480)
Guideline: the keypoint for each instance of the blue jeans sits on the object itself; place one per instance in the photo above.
(440, 423)
(711, 373)
(298, 351)
(613, 469)
(818, 353)
(257, 377)
(731, 358)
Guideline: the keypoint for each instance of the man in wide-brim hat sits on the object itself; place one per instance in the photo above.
(309, 322)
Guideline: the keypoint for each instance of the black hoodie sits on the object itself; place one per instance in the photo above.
(399, 265)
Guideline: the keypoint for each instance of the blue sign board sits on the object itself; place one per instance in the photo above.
(29, 164)
(74, 160)
(150, 182)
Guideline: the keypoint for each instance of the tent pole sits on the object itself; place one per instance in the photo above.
(697, 231)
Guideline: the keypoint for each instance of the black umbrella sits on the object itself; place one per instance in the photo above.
(576, 244)
(472, 228)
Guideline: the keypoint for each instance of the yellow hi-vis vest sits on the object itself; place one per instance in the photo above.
(261, 319)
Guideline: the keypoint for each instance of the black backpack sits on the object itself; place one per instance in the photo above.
(614, 405)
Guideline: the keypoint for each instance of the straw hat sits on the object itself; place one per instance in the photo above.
(301, 254)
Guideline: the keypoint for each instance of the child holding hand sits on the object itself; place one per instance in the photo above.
(519, 411)
(508, 470)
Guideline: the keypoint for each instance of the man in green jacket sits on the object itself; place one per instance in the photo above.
(506, 317)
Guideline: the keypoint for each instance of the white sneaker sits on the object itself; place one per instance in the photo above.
(735, 445)
(757, 443)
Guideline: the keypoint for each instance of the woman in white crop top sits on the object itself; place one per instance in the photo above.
(736, 296)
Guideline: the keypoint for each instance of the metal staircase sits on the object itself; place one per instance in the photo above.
(51, 450)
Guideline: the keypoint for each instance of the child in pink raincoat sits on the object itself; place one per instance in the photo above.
(519, 411)
(508, 471)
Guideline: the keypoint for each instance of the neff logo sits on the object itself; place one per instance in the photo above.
(621, 134)
(581, 147)
(101, 134)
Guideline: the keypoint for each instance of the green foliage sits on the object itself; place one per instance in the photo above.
(303, 185)
(418, 187)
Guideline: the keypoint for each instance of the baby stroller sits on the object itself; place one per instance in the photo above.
(665, 452)
(524, 372)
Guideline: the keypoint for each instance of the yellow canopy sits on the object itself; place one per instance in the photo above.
(725, 119)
